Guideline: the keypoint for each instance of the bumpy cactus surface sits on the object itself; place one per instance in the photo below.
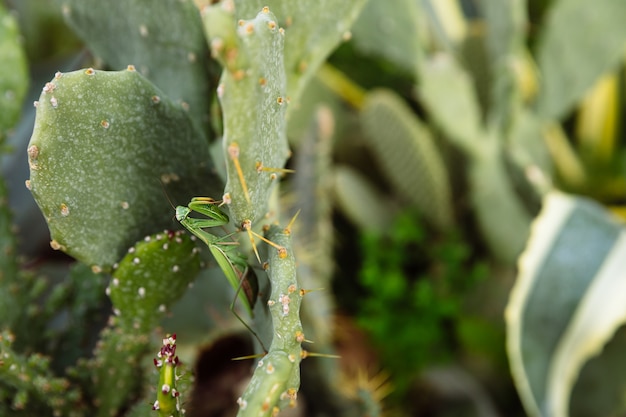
(403, 145)
(153, 274)
(164, 41)
(168, 401)
(252, 92)
(116, 370)
(313, 30)
(102, 143)
(276, 380)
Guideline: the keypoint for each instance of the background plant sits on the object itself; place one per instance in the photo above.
(471, 113)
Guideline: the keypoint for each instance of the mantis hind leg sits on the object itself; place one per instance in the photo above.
(250, 287)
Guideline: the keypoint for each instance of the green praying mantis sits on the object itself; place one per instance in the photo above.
(234, 265)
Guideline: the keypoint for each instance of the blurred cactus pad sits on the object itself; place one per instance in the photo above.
(378, 209)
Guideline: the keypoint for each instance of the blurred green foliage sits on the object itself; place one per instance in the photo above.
(415, 285)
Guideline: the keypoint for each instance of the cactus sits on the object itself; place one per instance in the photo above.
(147, 281)
(165, 42)
(168, 401)
(26, 383)
(153, 274)
(10, 291)
(313, 30)
(276, 380)
(116, 370)
(408, 155)
(13, 73)
(101, 143)
(350, 186)
(313, 239)
(252, 93)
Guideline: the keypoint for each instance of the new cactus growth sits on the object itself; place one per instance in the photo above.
(102, 142)
(312, 31)
(168, 398)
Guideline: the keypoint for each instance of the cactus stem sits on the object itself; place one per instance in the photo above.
(233, 152)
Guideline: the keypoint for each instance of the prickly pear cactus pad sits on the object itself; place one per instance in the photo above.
(102, 144)
(254, 102)
(163, 38)
(152, 276)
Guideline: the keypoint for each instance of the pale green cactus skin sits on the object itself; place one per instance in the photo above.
(165, 42)
(102, 144)
(408, 156)
(276, 380)
(252, 93)
(313, 29)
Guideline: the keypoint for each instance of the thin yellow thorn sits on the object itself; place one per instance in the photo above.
(269, 242)
(291, 222)
(243, 358)
(260, 167)
(306, 354)
(247, 226)
(233, 152)
(304, 292)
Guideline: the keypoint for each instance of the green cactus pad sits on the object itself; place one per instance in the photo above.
(162, 38)
(13, 73)
(116, 370)
(408, 155)
(103, 143)
(275, 382)
(254, 101)
(153, 275)
(312, 31)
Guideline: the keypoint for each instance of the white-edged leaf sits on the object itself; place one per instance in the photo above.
(568, 301)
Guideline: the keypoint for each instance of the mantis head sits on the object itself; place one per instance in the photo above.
(182, 212)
